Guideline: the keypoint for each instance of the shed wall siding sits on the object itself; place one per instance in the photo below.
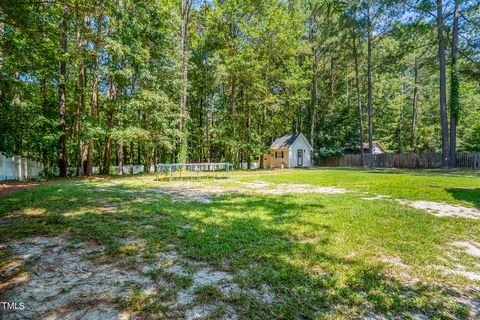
(300, 143)
(277, 162)
(376, 149)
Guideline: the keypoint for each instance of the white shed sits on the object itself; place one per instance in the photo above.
(378, 147)
(289, 151)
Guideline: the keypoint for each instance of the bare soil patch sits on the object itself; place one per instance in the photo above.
(470, 248)
(442, 209)
(204, 192)
(56, 278)
(59, 282)
(438, 209)
(7, 188)
(459, 270)
(293, 188)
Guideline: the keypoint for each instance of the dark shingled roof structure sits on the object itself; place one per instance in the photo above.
(365, 145)
(285, 141)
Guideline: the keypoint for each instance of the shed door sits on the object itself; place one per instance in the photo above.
(300, 158)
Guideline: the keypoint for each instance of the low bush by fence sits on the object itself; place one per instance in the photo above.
(400, 160)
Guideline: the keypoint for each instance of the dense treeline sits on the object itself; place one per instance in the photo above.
(115, 82)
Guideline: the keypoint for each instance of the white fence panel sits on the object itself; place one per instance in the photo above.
(8, 168)
(253, 165)
(137, 169)
(18, 168)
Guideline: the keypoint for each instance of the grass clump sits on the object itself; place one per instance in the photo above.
(208, 293)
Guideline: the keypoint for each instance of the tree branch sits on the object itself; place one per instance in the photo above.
(418, 8)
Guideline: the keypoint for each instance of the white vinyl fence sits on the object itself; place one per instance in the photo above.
(18, 168)
(253, 165)
(136, 169)
(192, 170)
(21, 168)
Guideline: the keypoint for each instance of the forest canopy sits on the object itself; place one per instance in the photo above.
(88, 83)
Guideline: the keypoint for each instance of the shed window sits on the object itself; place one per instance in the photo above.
(278, 154)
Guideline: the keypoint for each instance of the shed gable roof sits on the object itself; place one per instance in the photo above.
(378, 143)
(286, 141)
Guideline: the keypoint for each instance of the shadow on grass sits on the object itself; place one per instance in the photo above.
(467, 195)
(231, 234)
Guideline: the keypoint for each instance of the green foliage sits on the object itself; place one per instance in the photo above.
(472, 137)
(250, 75)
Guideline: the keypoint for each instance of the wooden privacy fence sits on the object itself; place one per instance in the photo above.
(400, 160)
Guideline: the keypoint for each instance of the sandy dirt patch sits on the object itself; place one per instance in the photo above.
(454, 260)
(470, 248)
(441, 209)
(459, 270)
(297, 188)
(58, 279)
(204, 193)
(7, 188)
(57, 282)
(466, 296)
(378, 197)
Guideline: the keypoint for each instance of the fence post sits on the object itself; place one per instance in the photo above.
(25, 168)
(4, 175)
(19, 171)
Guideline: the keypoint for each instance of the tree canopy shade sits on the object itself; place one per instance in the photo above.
(105, 82)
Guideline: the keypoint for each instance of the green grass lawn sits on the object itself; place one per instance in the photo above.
(323, 255)
(452, 187)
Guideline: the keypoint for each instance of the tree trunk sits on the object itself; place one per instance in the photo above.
(131, 156)
(108, 156)
(185, 15)
(82, 79)
(454, 89)
(62, 164)
(400, 129)
(120, 158)
(120, 154)
(146, 159)
(211, 126)
(414, 109)
(112, 96)
(359, 103)
(155, 158)
(233, 99)
(43, 97)
(79, 92)
(369, 78)
(333, 84)
(2, 31)
(94, 109)
(443, 86)
(314, 96)
(249, 127)
(313, 92)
